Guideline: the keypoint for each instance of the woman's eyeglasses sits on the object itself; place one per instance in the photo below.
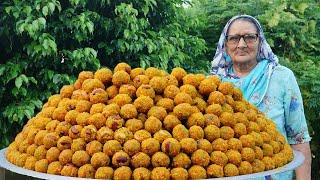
(248, 38)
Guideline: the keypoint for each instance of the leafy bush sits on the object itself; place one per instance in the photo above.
(44, 44)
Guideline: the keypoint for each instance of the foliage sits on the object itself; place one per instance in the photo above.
(292, 30)
(44, 44)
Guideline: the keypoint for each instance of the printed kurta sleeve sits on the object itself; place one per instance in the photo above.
(295, 120)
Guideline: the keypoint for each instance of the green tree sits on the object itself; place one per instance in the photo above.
(44, 44)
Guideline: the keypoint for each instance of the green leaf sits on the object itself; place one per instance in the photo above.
(56, 78)
(2, 69)
(23, 91)
(126, 33)
(21, 27)
(37, 103)
(312, 25)
(32, 79)
(145, 10)
(45, 10)
(302, 6)
(42, 21)
(50, 74)
(8, 9)
(16, 14)
(51, 7)
(96, 64)
(28, 113)
(24, 78)
(292, 42)
(35, 25)
(27, 10)
(142, 64)
(45, 44)
(90, 27)
(15, 91)
(58, 5)
(274, 20)
(18, 82)
(38, 7)
(15, 118)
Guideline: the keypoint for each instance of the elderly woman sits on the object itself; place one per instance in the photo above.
(244, 58)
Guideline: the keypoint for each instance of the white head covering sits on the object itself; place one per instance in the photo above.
(221, 61)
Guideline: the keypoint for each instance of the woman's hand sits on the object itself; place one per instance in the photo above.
(304, 171)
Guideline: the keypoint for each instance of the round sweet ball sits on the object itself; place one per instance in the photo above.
(197, 172)
(160, 173)
(104, 173)
(141, 173)
(122, 173)
(179, 173)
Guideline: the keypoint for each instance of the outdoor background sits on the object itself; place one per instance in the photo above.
(44, 44)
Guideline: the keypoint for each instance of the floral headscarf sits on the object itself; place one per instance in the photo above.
(221, 61)
(254, 86)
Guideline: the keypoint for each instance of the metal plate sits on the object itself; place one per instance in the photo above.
(296, 162)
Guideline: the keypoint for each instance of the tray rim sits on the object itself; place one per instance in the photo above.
(296, 162)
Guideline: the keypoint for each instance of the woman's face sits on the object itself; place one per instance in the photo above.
(242, 42)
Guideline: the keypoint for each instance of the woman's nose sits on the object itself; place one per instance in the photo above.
(242, 43)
